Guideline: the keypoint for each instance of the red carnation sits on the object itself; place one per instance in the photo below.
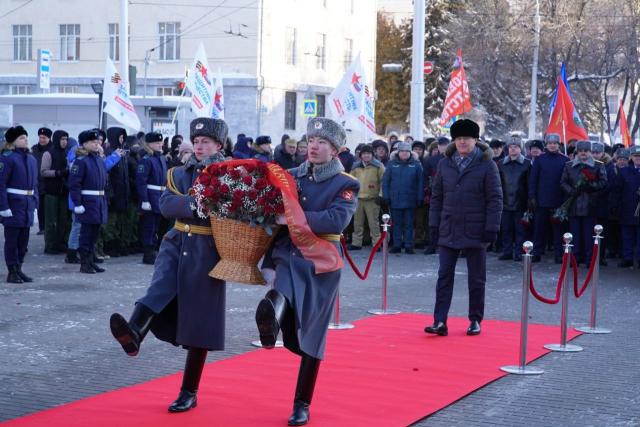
(261, 184)
(224, 189)
(214, 182)
(238, 194)
(588, 174)
(248, 180)
(208, 192)
(235, 174)
(262, 202)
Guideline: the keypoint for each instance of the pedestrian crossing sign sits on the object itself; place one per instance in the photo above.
(309, 108)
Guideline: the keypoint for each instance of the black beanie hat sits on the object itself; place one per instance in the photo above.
(14, 133)
(153, 137)
(465, 127)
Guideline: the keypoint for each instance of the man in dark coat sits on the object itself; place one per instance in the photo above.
(612, 200)
(261, 149)
(603, 208)
(403, 192)
(628, 188)
(54, 172)
(87, 181)
(43, 145)
(301, 301)
(545, 196)
(287, 158)
(18, 200)
(346, 158)
(151, 178)
(514, 176)
(183, 305)
(577, 182)
(430, 166)
(466, 206)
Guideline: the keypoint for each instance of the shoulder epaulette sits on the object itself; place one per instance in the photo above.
(171, 185)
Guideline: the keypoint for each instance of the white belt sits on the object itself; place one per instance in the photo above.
(92, 193)
(20, 192)
(156, 187)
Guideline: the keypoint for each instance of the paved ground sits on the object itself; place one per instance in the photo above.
(55, 345)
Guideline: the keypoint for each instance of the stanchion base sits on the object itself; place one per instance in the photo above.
(590, 330)
(522, 370)
(380, 311)
(341, 326)
(567, 348)
(259, 344)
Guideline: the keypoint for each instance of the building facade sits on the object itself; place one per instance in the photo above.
(272, 54)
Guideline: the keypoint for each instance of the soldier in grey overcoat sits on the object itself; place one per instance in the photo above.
(301, 302)
(183, 305)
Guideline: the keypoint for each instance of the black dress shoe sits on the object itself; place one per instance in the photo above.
(185, 401)
(395, 250)
(505, 257)
(474, 328)
(13, 276)
(536, 258)
(439, 328)
(23, 276)
(300, 415)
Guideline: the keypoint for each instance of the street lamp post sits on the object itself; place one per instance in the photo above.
(97, 89)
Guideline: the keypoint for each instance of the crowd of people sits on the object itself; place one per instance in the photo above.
(396, 177)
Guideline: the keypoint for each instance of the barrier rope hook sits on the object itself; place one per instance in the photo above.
(563, 346)
(592, 328)
(522, 368)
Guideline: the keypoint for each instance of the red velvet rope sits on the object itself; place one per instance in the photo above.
(563, 271)
(362, 276)
(587, 280)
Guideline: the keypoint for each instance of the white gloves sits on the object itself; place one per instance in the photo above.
(269, 275)
(146, 206)
(6, 214)
(281, 219)
(78, 210)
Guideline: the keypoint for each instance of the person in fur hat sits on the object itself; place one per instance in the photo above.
(403, 191)
(466, 206)
(301, 301)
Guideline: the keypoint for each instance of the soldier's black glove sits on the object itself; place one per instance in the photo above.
(489, 236)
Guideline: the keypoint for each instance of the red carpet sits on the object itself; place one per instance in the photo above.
(385, 372)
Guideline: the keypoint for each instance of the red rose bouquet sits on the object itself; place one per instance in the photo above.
(586, 178)
(240, 193)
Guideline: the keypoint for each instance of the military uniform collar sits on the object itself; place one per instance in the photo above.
(576, 162)
(193, 162)
(321, 172)
(519, 159)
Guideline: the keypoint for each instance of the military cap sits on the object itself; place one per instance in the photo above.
(153, 137)
(552, 137)
(403, 146)
(583, 146)
(515, 140)
(327, 129)
(622, 153)
(465, 127)
(597, 147)
(216, 129)
(14, 133)
(45, 131)
(537, 143)
(634, 150)
(496, 143)
(87, 135)
(365, 148)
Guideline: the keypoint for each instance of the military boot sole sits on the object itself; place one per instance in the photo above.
(267, 323)
(123, 333)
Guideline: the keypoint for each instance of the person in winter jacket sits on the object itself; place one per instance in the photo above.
(37, 151)
(54, 172)
(369, 173)
(261, 149)
(402, 190)
(466, 205)
(628, 188)
(288, 157)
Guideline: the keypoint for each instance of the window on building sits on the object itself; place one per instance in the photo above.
(321, 58)
(169, 41)
(290, 46)
(321, 101)
(290, 101)
(166, 91)
(20, 89)
(68, 89)
(22, 43)
(348, 52)
(114, 42)
(69, 42)
(613, 103)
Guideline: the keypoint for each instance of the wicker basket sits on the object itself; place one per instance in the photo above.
(240, 247)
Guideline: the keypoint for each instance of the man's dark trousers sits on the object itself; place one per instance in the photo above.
(542, 220)
(477, 277)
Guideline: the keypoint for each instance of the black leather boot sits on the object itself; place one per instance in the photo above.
(72, 257)
(23, 276)
(86, 266)
(474, 328)
(149, 256)
(269, 316)
(439, 328)
(130, 334)
(187, 399)
(307, 375)
(13, 276)
(93, 259)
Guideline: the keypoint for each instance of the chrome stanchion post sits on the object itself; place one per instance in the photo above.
(385, 270)
(592, 328)
(336, 322)
(522, 368)
(563, 346)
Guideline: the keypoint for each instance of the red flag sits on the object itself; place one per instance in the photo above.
(564, 118)
(624, 128)
(458, 100)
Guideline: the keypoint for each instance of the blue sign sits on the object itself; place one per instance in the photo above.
(309, 108)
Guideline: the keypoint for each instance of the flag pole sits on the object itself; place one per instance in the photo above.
(564, 136)
(184, 88)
